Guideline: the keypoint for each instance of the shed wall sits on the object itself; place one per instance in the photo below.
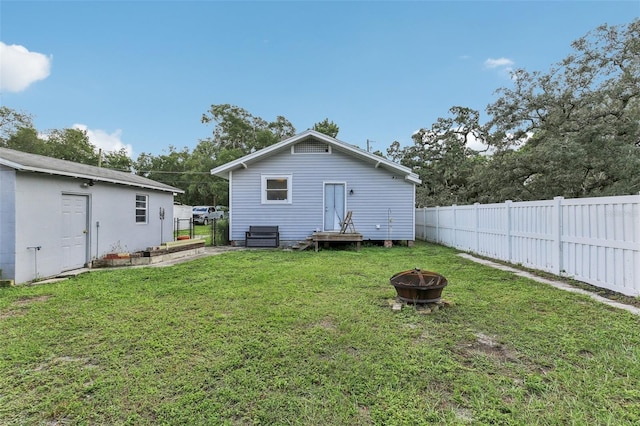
(38, 220)
(7, 222)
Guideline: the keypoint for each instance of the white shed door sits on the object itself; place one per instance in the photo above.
(74, 231)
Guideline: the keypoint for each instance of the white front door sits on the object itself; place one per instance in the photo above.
(74, 231)
(334, 206)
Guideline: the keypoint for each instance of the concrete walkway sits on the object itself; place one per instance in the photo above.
(208, 251)
(557, 284)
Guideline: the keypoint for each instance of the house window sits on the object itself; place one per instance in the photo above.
(276, 189)
(142, 202)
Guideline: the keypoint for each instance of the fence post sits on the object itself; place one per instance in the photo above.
(556, 229)
(424, 224)
(476, 222)
(455, 226)
(507, 209)
(438, 224)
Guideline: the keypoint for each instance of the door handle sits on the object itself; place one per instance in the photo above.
(85, 231)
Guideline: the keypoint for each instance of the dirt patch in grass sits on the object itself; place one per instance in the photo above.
(26, 301)
(11, 313)
(488, 346)
(327, 324)
(491, 347)
(87, 363)
(21, 306)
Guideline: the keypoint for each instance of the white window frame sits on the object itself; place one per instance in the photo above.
(141, 208)
(263, 188)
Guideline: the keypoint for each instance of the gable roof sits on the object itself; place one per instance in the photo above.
(24, 161)
(375, 160)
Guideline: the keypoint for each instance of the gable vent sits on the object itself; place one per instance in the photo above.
(311, 147)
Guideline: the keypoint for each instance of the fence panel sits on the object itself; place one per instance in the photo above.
(599, 242)
(532, 235)
(493, 235)
(594, 240)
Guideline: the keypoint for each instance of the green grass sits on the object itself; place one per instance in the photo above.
(305, 338)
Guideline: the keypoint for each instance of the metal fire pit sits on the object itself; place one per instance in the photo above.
(418, 286)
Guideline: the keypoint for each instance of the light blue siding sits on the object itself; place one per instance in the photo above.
(382, 202)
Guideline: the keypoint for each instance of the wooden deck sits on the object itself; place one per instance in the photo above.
(328, 237)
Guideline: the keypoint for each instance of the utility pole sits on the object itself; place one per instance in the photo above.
(369, 142)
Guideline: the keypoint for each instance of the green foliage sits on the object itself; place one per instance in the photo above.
(26, 139)
(64, 144)
(236, 128)
(11, 121)
(441, 157)
(327, 127)
(578, 124)
(222, 232)
(71, 145)
(236, 133)
(572, 132)
(305, 338)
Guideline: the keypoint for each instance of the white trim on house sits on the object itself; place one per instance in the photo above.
(264, 189)
(375, 160)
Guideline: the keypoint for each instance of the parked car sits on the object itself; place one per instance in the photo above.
(223, 210)
(202, 215)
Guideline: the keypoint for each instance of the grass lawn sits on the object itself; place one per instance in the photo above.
(305, 338)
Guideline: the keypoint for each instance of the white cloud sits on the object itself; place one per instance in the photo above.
(19, 68)
(499, 63)
(503, 66)
(104, 140)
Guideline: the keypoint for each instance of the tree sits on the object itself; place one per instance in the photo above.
(11, 121)
(327, 127)
(26, 139)
(574, 131)
(117, 160)
(71, 145)
(442, 158)
(236, 128)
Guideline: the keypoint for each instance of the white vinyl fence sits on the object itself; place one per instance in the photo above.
(594, 240)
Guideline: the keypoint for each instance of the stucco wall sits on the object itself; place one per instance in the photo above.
(7, 222)
(38, 221)
(382, 202)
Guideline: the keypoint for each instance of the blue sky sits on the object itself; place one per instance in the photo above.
(140, 74)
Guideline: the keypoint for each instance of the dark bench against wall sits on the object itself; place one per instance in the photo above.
(262, 236)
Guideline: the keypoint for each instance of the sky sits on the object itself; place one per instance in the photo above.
(140, 74)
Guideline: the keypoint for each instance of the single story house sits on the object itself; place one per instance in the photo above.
(57, 215)
(308, 183)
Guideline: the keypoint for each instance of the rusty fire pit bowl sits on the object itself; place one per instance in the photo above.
(418, 286)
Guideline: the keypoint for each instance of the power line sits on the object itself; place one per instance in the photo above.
(182, 173)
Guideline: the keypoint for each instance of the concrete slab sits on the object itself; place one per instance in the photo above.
(554, 283)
